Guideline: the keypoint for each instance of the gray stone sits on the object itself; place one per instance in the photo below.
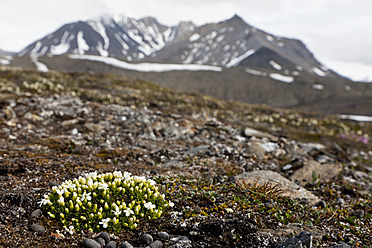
(37, 228)
(197, 150)
(105, 236)
(249, 132)
(359, 213)
(36, 213)
(101, 241)
(326, 172)
(91, 243)
(302, 240)
(147, 239)
(156, 244)
(180, 242)
(52, 184)
(163, 235)
(126, 244)
(289, 188)
(111, 244)
(340, 201)
(341, 245)
(257, 150)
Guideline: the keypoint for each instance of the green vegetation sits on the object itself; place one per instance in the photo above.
(110, 201)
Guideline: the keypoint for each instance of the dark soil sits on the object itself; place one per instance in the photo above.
(55, 126)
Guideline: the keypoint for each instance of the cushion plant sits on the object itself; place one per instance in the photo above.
(110, 201)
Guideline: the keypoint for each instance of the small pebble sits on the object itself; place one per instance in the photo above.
(101, 241)
(36, 213)
(163, 236)
(359, 213)
(347, 197)
(38, 228)
(105, 236)
(126, 244)
(111, 244)
(91, 243)
(340, 201)
(156, 244)
(52, 184)
(147, 239)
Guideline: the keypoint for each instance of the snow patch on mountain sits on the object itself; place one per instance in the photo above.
(255, 72)
(237, 60)
(147, 67)
(275, 65)
(82, 44)
(282, 78)
(318, 86)
(319, 72)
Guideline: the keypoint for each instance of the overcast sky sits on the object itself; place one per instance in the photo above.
(338, 32)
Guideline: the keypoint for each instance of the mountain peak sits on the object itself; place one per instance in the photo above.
(235, 19)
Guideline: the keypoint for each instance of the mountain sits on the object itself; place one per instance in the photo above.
(117, 36)
(5, 57)
(229, 43)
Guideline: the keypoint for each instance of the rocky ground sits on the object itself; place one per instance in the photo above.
(239, 175)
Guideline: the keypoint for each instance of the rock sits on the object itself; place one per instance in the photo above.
(111, 244)
(147, 239)
(341, 245)
(36, 213)
(91, 243)
(37, 228)
(289, 188)
(126, 244)
(302, 240)
(95, 128)
(52, 184)
(101, 241)
(181, 242)
(249, 132)
(340, 201)
(105, 236)
(197, 150)
(257, 150)
(163, 236)
(326, 172)
(359, 213)
(69, 122)
(156, 244)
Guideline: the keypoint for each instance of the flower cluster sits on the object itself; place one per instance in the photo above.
(111, 201)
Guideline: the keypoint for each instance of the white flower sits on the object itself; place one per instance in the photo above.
(128, 212)
(44, 201)
(117, 211)
(103, 186)
(149, 205)
(127, 175)
(70, 229)
(171, 204)
(91, 175)
(152, 182)
(90, 182)
(61, 200)
(104, 222)
(117, 174)
(86, 196)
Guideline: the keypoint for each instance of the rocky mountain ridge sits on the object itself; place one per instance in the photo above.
(228, 43)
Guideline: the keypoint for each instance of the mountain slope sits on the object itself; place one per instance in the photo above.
(118, 36)
(229, 43)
